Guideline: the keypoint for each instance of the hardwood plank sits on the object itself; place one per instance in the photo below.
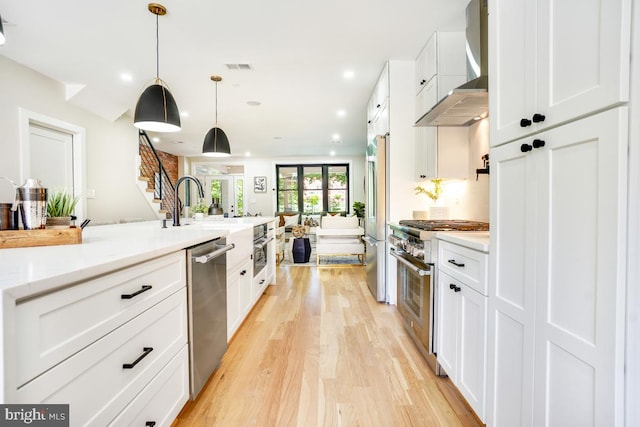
(317, 350)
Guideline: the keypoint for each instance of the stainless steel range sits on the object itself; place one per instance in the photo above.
(413, 246)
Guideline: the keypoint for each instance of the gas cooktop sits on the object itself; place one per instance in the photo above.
(445, 224)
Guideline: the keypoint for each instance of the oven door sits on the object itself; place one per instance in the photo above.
(260, 254)
(416, 298)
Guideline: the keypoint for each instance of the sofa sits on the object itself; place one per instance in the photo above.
(338, 235)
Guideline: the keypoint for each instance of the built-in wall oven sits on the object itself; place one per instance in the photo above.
(412, 245)
(260, 248)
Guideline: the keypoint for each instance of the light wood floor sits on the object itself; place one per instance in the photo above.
(317, 350)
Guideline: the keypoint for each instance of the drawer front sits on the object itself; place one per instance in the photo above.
(52, 327)
(162, 400)
(95, 383)
(467, 265)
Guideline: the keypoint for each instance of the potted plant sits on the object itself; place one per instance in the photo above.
(60, 206)
(358, 208)
(200, 210)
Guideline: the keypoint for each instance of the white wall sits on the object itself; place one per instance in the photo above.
(265, 203)
(111, 148)
(466, 199)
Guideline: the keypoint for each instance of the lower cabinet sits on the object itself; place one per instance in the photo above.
(462, 336)
(238, 296)
(260, 283)
(136, 368)
(462, 320)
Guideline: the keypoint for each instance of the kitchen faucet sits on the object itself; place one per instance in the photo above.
(176, 209)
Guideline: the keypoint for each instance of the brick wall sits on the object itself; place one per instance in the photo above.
(169, 161)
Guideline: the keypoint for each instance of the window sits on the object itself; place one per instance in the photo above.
(313, 189)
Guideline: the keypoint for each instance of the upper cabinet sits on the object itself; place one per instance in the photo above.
(377, 108)
(551, 63)
(440, 67)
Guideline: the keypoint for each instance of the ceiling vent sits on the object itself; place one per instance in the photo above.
(239, 66)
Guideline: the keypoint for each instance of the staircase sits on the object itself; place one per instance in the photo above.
(153, 179)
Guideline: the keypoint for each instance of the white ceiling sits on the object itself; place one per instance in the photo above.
(298, 49)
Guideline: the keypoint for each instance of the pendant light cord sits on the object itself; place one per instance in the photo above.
(216, 104)
(157, 49)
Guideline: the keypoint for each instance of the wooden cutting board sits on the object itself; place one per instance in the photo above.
(44, 237)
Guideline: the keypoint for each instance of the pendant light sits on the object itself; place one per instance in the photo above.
(1, 32)
(156, 109)
(216, 143)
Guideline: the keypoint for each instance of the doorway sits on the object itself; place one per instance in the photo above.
(223, 182)
(53, 152)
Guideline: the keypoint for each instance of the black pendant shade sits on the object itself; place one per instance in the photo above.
(156, 110)
(1, 32)
(216, 144)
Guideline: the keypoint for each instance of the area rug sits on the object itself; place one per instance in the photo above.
(325, 261)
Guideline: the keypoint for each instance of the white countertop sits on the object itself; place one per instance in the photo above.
(478, 240)
(29, 271)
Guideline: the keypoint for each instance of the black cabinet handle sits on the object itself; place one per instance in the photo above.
(150, 423)
(378, 106)
(453, 261)
(457, 289)
(452, 286)
(423, 176)
(538, 143)
(423, 82)
(145, 350)
(144, 288)
(261, 281)
(537, 118)
(243, 272)
(524, 123)
(525, 147)
(368, 121)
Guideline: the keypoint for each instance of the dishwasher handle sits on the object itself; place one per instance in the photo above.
(203, 259)
(409, 265)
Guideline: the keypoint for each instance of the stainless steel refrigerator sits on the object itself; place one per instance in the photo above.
(376, 216)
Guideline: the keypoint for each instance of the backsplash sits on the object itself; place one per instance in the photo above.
(467, 199)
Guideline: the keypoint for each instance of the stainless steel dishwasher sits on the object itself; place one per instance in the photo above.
(207, 301)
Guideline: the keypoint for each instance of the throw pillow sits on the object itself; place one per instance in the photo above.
(291, 220)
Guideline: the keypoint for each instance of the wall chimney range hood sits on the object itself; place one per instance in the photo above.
(469, 102)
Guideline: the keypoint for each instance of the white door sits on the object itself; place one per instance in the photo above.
(229, 189)
(579, 259)
(51, 157)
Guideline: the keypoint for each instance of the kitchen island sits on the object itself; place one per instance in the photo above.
(78, 316)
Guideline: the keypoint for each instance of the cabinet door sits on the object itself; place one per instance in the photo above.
(582, 57)
(512, 64)
(425, 152)
(447, 325)
(472, 348)
(512, 287)
(580, 246)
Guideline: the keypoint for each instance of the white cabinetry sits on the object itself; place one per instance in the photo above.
(378, 106)
(462, 320)
(556, 307)
(113, 336)
(239, 275)
(271, 252)
(442, 59)
(551, 63)
(440, 152)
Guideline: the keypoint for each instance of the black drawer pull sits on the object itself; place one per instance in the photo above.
(537, 118)
(146, 351)
(453, 261)
(150, 423)
(454, 287)
(243, 272)
(145, 288)
(524, 123)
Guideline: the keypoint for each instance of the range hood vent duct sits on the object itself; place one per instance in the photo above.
(469, 102)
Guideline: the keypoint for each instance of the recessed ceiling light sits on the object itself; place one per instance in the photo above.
(336, 141)
(332, 153)
(247, 154)
(155, 139)
(126, 77)
(277, 137)
(341, 113)
(184, 114)
(335, 137)
(348, 74)
(254, 103)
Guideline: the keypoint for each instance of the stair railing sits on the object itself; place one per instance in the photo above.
(151, 167)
